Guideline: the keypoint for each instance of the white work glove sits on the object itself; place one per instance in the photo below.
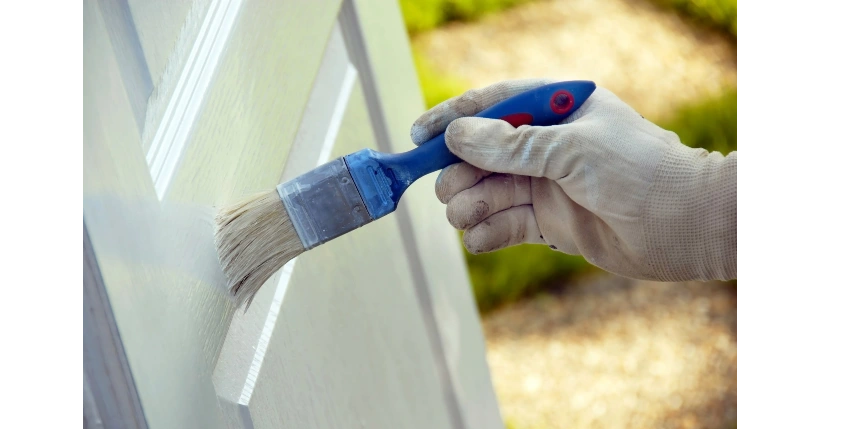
(606, 184)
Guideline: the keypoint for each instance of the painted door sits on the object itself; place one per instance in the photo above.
(190, 104)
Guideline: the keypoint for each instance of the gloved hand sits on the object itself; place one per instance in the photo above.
(606, 184)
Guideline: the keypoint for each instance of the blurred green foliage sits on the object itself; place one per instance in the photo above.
(710, 123)
(721, 14)
(504, 276)
(422, 15)
(436, 87)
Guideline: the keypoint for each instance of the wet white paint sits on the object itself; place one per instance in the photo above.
(175, 236)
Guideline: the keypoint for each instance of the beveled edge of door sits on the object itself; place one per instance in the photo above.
(246, 342)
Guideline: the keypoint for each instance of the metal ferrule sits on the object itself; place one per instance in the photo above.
(323, 203)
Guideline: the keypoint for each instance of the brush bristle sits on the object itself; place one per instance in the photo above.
(255, 238)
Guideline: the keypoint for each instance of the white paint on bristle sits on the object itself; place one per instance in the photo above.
(255, 238)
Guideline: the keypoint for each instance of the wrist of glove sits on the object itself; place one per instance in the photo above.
(606, 184)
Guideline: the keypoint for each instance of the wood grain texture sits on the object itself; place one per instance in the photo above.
(436, 242)
(167, 78)
(166, 148)
(349, 349)
(244, 132)
(159, 24)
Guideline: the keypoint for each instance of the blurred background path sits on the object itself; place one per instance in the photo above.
(570, 346)
(617, 353)
(647, 56)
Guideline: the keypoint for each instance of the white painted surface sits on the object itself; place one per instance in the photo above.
(338, 338)
(175, 127)
(239, 361)
(349, 349)
(437, 244)
(323, 113)
(159, 26)
(337, 115)
(128, 50)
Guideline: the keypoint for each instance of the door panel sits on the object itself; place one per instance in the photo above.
(242, 133)
(246, 344)
(349, 348)
(249, 94)
(321, 305)
(125, 41)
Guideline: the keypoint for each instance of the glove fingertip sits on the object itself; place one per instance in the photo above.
(442, 186)
(463, 135)
(483, 238)
(419, 134)
(455, 136)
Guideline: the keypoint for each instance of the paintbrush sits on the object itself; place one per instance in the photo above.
(258, 235)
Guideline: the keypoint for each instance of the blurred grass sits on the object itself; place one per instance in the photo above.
(436, 87)
(720, 14)
(710, 123)
(507, 275)
(510, 425)
(423, 15)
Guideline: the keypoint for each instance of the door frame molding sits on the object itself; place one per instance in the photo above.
(110, 395)
(353, 33)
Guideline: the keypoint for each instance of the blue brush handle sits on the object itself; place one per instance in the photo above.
(382, 178)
